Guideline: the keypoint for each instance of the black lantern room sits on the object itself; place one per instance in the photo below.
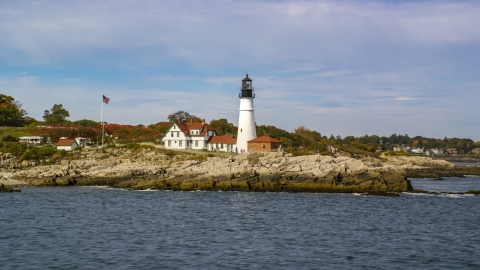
(247, 88)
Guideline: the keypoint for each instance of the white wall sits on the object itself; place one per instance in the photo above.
(246, 123)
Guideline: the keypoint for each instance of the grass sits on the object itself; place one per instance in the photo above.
(17, 132)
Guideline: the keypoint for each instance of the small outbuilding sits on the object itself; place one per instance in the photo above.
(66, 144)
(31, 139)
(265, 144)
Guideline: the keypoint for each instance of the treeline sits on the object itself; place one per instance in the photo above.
(304, 140)
(301, 141)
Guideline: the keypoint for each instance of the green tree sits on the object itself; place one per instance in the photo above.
(86, 123)
(223, 127)
(11, 112)
(180, 115)
(9, 138)
(56, 115)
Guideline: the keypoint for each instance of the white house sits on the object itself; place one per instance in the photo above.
(416, 150)
(223, 143)
(81, 141)
(31, 139)
(188, 135)
(437, 151)
(66, 144)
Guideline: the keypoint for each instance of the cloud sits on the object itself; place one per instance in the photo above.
(404, 98)
(339, 66)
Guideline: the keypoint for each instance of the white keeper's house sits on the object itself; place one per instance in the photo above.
(188, 135)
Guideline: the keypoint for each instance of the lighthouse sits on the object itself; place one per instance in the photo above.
(246, 120)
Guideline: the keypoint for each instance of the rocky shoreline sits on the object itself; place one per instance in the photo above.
(275, 172)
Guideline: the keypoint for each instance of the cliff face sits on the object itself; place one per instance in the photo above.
(257, 172)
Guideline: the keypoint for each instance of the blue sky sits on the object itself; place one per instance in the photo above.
(338, 67)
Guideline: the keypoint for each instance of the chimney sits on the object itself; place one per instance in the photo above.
(203, 121)
(179, 119)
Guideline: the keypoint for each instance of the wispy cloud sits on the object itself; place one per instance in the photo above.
(404, 99)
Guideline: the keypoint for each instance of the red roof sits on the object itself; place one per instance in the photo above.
(65, 142)
(223, 139)
(187, 127)
(264, 139)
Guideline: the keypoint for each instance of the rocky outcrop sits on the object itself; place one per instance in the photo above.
(258, 172)
(422, 167)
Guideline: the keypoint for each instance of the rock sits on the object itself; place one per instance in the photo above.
(256, 172)
(8, 189)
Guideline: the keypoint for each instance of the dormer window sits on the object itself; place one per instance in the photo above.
(174, 126)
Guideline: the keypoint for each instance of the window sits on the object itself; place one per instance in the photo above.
(187, 143)
(174, 126)
(179, 143)
(178, 134)
(254, 146)
(196, 143)
(171, 133)
(221, 146)
(263, 145)
(169, 143)
(197, 131)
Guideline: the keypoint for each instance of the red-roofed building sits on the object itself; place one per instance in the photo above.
(188, 135)
(264, 144)
(66, 144)
(452, 151)
(223, 143)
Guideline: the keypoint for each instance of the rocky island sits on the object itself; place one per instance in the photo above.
(151, 168)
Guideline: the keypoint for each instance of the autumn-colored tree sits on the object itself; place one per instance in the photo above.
(11, 112)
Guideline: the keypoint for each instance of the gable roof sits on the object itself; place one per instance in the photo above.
(264, 139)
(223, 139)
(186, 128)
(66, 142)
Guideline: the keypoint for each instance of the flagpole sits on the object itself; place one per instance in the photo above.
(101, 119)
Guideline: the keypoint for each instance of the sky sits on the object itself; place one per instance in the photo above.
(337, 67)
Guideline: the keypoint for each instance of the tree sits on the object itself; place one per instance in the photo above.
(11, 112)
(86, 123)
(223, 127)
(56, 115)
(9, 138)
(180, 115)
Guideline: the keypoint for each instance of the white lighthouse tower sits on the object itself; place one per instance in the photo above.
(246, 121)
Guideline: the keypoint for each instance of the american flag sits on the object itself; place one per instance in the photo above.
(105, 99)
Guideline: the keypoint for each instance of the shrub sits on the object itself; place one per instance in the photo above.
(136, 146)
(9, 138)
(200, 158)
(13, 148)
(37, 153)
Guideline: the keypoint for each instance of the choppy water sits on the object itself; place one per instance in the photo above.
(103, 228)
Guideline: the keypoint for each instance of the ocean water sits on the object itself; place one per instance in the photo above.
(105, 228)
